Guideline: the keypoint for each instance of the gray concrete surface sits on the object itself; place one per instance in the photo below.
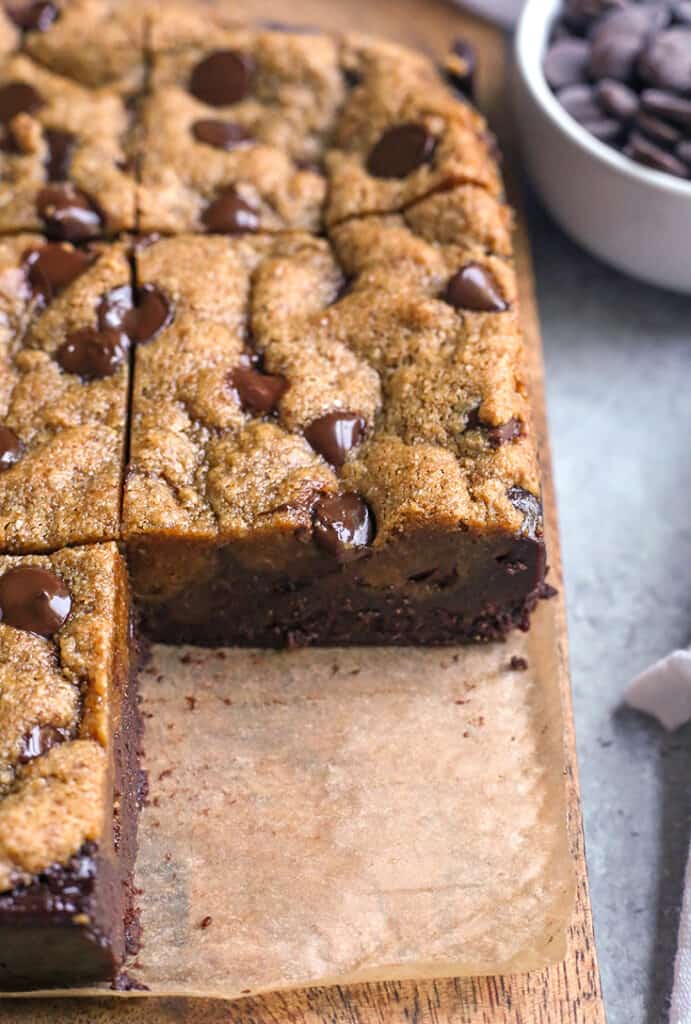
(618, 358)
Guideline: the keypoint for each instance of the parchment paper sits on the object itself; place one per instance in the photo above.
(334, 816)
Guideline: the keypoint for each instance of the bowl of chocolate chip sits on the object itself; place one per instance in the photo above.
(603, 94)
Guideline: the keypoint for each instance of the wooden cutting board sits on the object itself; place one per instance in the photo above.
(568, 993)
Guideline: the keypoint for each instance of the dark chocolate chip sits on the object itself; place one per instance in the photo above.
(683, 151)
(54, 266)
(33, 599)
(39, 741)
(335, 434)
(645, 152)
(60, 148)
(617, 99)
(11, 448)
(230, 214)
(633, 20)
(69, 214)
(518, 664)
(92, 353)
(659, 131)
(18, 98)
(33, 17)
(606, 129)
(352, 77)
(667, 105)
(682, 11)
(343, 526)
(580, 14)
(505, 433)
(475, 288)
(141, 316)
(666, 61)
(614, 55)
(401, 150)
(581, 103)
(460, 67)
(256, 392)
(221, 134)
(222, 78)
(531, 507)
(566, 63)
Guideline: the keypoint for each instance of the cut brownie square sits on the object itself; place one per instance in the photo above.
(327, 459)
(64, 377)
(63, 156)
(402, 135)
(234, 132)
(69, 781)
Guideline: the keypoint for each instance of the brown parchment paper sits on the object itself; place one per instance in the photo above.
(332, 816)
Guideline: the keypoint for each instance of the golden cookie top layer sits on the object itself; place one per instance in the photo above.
(63, 638)
(63, 393)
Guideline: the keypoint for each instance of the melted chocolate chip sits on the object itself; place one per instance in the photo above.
(92, 353)
(18, 98)
(343, 526)
(52, 267)
(222, 78)
(36, 17)
(257, 392)
(503, 433)
(11, 448)
(229, 214)
(221, 134)
(460, 67)
(39, 741)
(60, 148)
(69, 214)
(401, 150)
(33, 599)
(475, 288)
(334, 434)
(141, 317)
(531, 508)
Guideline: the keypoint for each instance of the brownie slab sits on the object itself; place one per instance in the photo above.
(334, 450)
(69, 782)
(63, 393)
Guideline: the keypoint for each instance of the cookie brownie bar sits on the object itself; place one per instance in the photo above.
(63, 393)
(69, 783)
(331, 442)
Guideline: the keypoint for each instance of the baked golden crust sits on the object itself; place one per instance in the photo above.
(72, 430)
(61, 688)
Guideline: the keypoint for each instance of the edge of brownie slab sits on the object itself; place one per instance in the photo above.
(41, 943)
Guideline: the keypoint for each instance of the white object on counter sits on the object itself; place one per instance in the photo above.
(635, 218)
(664, 691)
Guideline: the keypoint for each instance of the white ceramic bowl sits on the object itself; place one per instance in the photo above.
(637, 219)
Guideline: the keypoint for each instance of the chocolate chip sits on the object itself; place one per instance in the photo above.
(230, 214)
(475, 288)
(460, 67)
(60, 148)
(352, 77)
(401, 150)
(667, 105)
(33, 599)
(531, 508)
(580, 13)
(617, 99)
(53, 267)
(666, 61)
(221, 134)
(633, 20)
(69, 214)
(683, 151)
(11, 448)
(343, 526)
(614, 56)
(682, 12)
(256, 392)
(92, 353)
(18, 98)
(39, 741)
(566, 63)
(658, 130)
(581, 103)
(140, 316)
(645, 152)
(505, 433)
(36, 17)
(335, 434)
(606, 129)
(222, 78)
